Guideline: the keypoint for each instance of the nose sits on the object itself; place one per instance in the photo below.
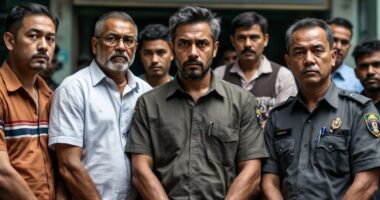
(155, 58)
(370, 70)
(309, 58)
(338, 45)
(42, 45)
(247, 42)
(120, 44)
(193, 51)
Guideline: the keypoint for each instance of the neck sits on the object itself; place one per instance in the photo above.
(119, 77)
(313, 94)
(249, 68)
(196, 88)
(156, 81)
(374, 95)
(27, 78)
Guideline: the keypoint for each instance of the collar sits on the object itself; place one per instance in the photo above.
(341, 71)
(174, 87)
(12, 83)
(264, 68)
(331, 96)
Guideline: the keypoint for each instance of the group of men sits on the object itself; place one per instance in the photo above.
(111, 136)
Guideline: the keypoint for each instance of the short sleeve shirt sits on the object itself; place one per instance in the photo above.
(196, 145)
(89, 112)
(317, 154)
(24, 132)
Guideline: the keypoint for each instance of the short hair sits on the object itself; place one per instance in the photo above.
(154, 32)
(248, 19)
(16, 16)
(113, 14)
(309, 23)
(366, 47)
(341, 22)
(193, 14)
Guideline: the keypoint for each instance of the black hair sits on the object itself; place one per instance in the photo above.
(248, 19)
(366, 47)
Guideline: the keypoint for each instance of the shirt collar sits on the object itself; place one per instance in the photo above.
(341, 71)
(331, 96)
(264, 68)
(12, 82)
(216, 86)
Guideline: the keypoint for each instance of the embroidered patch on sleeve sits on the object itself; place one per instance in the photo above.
(372, 122)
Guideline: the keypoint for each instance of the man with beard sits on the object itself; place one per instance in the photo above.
(196, 137)
(91, 113)
(268, 81)
(156, 54)
(342, 74)
(329, 149)
(26, 168)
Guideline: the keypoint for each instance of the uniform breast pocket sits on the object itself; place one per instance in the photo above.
(285, 150)
(222, 144)
(331, 154)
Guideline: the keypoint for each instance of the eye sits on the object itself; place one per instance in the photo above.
(240, 38)
(183, 43)
(129, 40)
(202, 44)
(110, 38)
(33, 36)
(161, 52)
(50, 39)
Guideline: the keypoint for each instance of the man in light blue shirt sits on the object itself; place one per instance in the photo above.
(343, 75)
(91, 114)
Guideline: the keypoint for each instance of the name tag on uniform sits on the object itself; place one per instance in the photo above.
(283, 133)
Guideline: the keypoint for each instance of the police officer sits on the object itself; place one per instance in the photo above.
(329, 149)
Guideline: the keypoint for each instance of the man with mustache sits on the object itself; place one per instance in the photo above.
(91, 114)
(26, 168)
(367, 59)
(196, 137)
(329, 149)
(268, 81)
(156, 54)
(342, 74)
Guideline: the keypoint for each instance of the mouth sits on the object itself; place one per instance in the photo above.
(310, 72)
(371, 80)
(155, 68)
(119, 59)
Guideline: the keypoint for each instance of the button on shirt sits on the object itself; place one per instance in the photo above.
(196, 145)
(311, 166)
(344, 77)
(88, 112)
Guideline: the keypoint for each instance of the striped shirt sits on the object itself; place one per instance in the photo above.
(23, 132)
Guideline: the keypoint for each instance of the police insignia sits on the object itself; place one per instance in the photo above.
(335, 124)
(259, 116)
(373, 123)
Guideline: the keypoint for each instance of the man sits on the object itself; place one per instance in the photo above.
(156, 54)
(47, 74)
(367, 59)
(195, 137)
(268, 81)
(229, 56)
(329, 148)
(25, 163)
(343, 75)
(91, 113)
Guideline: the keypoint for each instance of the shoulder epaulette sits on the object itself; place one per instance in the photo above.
(284, 103)
(355, 96)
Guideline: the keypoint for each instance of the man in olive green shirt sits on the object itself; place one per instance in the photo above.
(197, 136)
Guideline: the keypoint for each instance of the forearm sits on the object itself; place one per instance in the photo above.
(13, 186)
(271, 187)
(148, 185)
(61, 192)
(363, 187)
(79, 183)
(246, 183)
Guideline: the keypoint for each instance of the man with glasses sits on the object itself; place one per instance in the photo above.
(342, 74)
(91, 113)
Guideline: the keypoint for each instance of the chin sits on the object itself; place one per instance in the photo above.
(117, 67)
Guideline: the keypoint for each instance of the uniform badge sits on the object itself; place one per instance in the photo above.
(373, 123)
(259, 116)
(335, 124)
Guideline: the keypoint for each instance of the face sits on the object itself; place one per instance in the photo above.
(368, 71)
(249, 43)
(310, 57)
(342, 37)
(32, 46)
(156, 56)
(115, 46)
(229, 57)
(194, 49)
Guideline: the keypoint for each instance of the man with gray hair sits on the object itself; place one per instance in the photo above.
(329, 149)
(91, 113)
(196, 137)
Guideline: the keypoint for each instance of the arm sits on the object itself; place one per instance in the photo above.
(271, 187)
(144, 179)
(12, 185)
(74, 174)
(247, 181)
(364, 185)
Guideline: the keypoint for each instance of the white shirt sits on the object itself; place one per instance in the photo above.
(87, 111)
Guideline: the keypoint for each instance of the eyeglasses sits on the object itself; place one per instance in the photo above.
(113, 40)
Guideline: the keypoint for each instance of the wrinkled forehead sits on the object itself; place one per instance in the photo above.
(307, 36)
(118, 26)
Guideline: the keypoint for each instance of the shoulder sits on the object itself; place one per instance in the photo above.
(283, 104)
(143, 86)
(219, 71)
(355, 97)
(75, 82)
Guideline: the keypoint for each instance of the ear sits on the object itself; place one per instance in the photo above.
(9, 40)
(333, 57)
(266, 39)
(94, 44)
(216, 47)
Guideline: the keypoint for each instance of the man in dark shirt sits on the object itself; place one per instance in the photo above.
(196, 137)
(323, 143)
